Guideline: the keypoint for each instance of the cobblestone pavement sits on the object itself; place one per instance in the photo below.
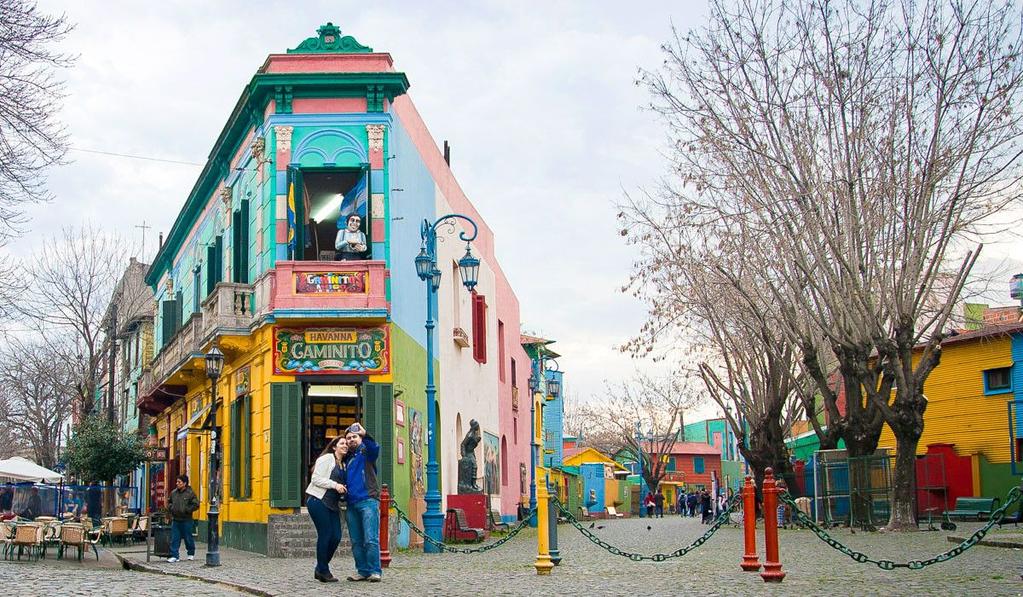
(51, 577)
(812, 567)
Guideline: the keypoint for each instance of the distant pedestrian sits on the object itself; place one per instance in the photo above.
(648, 502)
(183, 504)
(705, 505)
(692, 501)
(680, 504)
(659, 503)
(94, 502)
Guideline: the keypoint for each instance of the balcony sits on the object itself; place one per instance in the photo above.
(317, 289)
(228, 310)
(157, 390)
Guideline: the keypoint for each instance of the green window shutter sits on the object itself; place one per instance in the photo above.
(246, 425)
(379, 406)
(167, 321)
(235, 450)
(236, 246)
(211, 262)
(285, 445)
(243, 260)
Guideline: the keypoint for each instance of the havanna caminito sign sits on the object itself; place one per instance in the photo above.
(332, 351)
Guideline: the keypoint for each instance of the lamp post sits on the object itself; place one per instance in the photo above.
(534, 387)
(553, 391)
(214, 365)
(427, 270)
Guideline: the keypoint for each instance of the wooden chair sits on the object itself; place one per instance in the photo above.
(613, 513)
(6, 537)
(75, 535)
(114, 529)
(29, 537)
(141, 529)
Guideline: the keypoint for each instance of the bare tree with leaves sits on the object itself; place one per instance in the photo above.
(31, 137)
(40, 388)
(862, 147)
(72, 278)
(645, 416)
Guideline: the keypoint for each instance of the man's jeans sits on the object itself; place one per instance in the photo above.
(364, 531)
(182, 529)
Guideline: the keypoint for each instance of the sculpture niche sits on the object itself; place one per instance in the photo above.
(467, 463)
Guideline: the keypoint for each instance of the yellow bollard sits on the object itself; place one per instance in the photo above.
(543, 562)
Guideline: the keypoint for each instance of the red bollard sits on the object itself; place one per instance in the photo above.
(385, 526)
(772, 566)
(750, 560)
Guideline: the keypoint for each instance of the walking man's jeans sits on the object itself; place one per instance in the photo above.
(328, 532)
(182, 529)
(660, 511)
(364, 531)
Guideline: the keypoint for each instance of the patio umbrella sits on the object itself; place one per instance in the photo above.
(23, 469)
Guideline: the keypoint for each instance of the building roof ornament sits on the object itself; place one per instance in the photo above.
(330, 41)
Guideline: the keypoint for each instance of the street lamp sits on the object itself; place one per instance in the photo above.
(534, 387)
(214, 366)
(427, 270)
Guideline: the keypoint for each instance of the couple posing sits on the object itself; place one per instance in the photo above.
(345, 473)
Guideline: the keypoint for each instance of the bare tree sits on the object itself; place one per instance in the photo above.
(73, 277)
(31, 137)
(10, 440)
(645, 416)
(40, 388)
(860, 147)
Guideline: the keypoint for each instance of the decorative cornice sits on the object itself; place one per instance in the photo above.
(330, 41)
(375, 132)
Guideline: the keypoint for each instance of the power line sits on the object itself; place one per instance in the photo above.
(135, 157)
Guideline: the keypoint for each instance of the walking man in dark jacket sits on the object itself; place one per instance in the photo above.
(183, 503)
(363, 498)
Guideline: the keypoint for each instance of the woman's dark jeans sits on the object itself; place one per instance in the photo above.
(328, 532)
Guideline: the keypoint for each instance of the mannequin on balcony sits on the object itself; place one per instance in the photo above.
(351, 242)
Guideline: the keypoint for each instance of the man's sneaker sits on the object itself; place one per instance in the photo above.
(374, 578)
(171, 560)
(190, 558)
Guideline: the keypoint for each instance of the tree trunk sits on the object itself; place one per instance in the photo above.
(903, 514)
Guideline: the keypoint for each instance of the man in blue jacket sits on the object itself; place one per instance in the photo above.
(363, 498)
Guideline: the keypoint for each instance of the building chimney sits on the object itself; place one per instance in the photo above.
(160, 244)
(447, 153)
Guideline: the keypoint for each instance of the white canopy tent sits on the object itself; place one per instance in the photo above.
(23, 469)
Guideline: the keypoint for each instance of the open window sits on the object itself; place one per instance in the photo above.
(328, 208)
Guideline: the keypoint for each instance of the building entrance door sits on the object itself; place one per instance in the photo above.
(329, 410)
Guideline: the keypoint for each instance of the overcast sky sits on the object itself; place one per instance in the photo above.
(537, 100)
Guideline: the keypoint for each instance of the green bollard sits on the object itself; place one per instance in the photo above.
(552, 512)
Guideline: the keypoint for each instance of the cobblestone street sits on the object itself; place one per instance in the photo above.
(812, 568)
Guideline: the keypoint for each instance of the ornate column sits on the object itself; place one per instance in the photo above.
(377, 211)
(282, 151)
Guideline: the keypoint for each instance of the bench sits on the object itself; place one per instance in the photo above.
(494, 520)
(457, 529)
(613, 513)
(972, 507)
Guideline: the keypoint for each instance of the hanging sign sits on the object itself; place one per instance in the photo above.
(330, 282)
(332, 351)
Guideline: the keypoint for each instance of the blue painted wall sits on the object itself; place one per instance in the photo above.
(554, 423)
(593, 478)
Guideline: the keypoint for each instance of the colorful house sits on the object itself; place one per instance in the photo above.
(971, 395)
(590, 480)
(718, 433)
(689, 466)
(320, 134)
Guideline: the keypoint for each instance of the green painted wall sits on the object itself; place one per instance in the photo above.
(250, 536)
(996, 480)
(407, 358)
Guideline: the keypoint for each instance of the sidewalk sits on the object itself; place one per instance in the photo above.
(238, 568)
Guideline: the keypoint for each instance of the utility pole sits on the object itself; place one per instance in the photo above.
(112, 337)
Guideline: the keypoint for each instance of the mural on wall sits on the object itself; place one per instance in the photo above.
(331, 351)
(491, 464)
(415, 449)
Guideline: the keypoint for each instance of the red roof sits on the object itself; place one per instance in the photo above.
(694, 449)
(570, 452)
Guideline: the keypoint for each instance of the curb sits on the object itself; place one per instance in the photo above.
(989, 542)
(130, 564)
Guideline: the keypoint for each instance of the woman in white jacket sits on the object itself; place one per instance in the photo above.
(324, 494)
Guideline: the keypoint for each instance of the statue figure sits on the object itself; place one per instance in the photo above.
(467, 463)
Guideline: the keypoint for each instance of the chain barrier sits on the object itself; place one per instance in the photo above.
(445, 547)
(996, 517)
(720, 521)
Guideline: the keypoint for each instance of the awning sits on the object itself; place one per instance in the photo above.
(23, 469)
(183, 431)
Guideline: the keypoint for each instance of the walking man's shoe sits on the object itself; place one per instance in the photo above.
(171, 560)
